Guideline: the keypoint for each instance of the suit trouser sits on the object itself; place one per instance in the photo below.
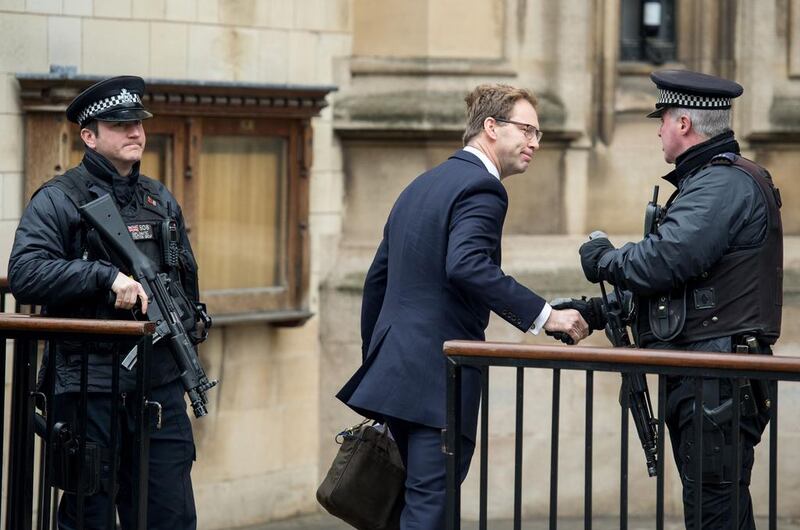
(426, 473)
(170, 503)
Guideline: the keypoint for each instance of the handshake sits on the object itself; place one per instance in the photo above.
(589, 312)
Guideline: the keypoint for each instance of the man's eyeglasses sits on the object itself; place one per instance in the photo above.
(530, 131)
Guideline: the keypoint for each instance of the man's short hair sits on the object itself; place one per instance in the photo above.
(492, 101)
(708, 123)
(92, 126)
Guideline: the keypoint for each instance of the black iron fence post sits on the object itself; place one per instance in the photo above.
(773, 457)
(556, 404)
(518, 435)
(662, 411)
(46, 458)
(623, 456)
(20, 452)
(587, 458)
(453, 446)
(142, 433)
(696, 365)
(484, 478)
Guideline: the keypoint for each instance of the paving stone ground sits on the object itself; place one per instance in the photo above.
(326, 522)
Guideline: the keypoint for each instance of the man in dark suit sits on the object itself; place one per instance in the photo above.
(435, 277)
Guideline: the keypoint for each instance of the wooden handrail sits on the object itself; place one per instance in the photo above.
(18, 323)
(3, 282)
(624, 356)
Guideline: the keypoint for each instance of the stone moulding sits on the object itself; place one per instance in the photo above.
(422, 113)
(52, 93)
(784, 114)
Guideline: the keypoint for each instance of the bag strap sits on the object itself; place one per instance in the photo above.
(350, 431)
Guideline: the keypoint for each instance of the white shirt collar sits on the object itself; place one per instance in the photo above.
(485, 159)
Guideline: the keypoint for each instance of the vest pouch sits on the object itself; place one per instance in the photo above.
(66, 460)
(667, 314)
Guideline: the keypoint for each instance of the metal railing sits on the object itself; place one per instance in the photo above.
(29, 487)
(697, 365)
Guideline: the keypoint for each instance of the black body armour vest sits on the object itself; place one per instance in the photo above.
(150, 223)
(741, 294)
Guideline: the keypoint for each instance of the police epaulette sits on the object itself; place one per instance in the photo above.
(725, 159)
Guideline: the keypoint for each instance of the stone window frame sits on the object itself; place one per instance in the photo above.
(183, 106)
(705, 40)
(640, 48)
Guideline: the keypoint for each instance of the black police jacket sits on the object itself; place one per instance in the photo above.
(56, 263)
(717, 254)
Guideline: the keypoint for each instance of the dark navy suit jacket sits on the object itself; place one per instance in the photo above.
(435, 277)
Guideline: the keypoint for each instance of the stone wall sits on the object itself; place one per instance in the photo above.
(402, 69)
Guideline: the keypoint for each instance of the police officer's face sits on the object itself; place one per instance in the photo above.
(514, 150)
(122, 143)
(668, 130)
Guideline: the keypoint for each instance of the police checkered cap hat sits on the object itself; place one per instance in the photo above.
(692, 90)
(114, 99)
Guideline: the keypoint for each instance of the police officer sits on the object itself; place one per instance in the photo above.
(708, 279)
(59, 263)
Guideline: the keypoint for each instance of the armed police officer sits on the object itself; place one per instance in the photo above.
(58, 262)
(708, 278)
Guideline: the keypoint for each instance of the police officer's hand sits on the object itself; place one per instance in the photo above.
(591, 252)
(568, 321)
(128, 291)
(591, 310)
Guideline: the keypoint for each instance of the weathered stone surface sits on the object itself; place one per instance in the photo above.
(25, 43)
(113, 9)
(149, 9)
(78, 7)
(52, 7)
(168, 50)
(11, 142)
(441, 109)
(11, 199)
(104, 60)
(223, 53)
(785, 113)
(64, 41)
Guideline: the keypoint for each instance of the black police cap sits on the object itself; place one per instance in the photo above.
(114, 99)
(692, 90)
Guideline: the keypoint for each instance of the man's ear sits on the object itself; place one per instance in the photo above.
(89, 138)
(685, 124)
(489, 125)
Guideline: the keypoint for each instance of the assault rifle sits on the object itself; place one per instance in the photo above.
(102, 214)
(634, 385)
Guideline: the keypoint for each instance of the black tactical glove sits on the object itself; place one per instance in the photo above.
(560, 335)
(591, 252)
(591, 310)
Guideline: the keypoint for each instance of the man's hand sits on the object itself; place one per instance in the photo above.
(128, 291)
(568, 321)
(591, 252)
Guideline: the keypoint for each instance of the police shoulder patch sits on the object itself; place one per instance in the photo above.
(141, 231)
